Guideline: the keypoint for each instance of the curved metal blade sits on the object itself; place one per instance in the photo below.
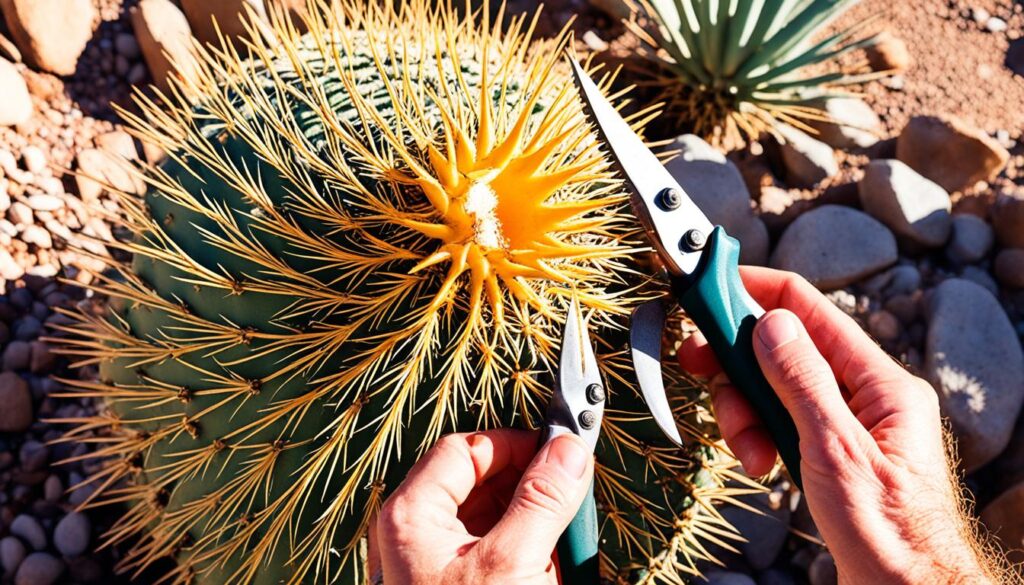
(577, 371)
(664, 227)
(645, 328)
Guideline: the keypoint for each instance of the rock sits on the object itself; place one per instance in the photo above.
(914, 208)
(1008, 219)
(99, 168)
(950, 152)
(72, 534)
(228, 14)
(34, 159)
(727, 578)
(12, 552)
(903, 307)
(975, 362)
(119, 143)
(775, 577)
(884, 326)
(16, 107)
(906, 279)
(995, 25)
(85, 569)
(51, 34)
(889, 53)
(823, 570)
(28, 529)
(1009, 267)
(853, 124)
(165, 40)
(37, 236)
(614, 8)
(834, 246)
(20, 214)
(53, 489)
(44, 202)
(39, 569)
(807, 161)
(717, 186)
(1004, 518)
(43, 359)
(16, 414)
(971, 239)
(1008, 468)
(765, 533)
(981, 277)
(10, 270)
(126, 46)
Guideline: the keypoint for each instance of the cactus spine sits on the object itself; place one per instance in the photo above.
(364, 238)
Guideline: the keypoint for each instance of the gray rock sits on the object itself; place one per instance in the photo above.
(980, 277)
(51, 34)
(823, 570)
(854, 124)
(949, 152)
(72, 534)
(834, 246)
(717, 186)
(975, 362)
(807, 161)
(16, 414)
(34, 455)
(906, 279)
(39, 569)
(127, 46)
(28, 529)
(1009, 267)
(971, 240)
(775, 577)
(914, 208)
(903, 307)
(12, 552)
(16, 106)
(53, 489)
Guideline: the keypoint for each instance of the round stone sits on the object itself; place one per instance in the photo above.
(28, 529)
(72, 534)
(39, 569)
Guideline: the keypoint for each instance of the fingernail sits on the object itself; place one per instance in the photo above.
(777, 329)
(568, 454)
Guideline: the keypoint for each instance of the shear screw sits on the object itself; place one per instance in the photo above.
(693, 240)
(595, 393)
(587, 419)
(669, 199)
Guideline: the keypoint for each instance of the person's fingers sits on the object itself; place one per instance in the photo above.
(444, 477)
(548, 496)
(808, 389)
(741, 428)
(697, 358)
(853, 356)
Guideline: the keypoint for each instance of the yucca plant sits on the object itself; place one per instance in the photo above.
(730, 68)
(363, 238)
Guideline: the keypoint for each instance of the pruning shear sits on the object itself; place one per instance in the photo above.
(701, 262)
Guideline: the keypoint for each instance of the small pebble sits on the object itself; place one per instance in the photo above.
(28, 529)
(71, 536)
(823, 570)
(39, 569)
(34, 159)
(53, 489)
(12, 552)
(995, 25)
(884, 326)
(34, 455)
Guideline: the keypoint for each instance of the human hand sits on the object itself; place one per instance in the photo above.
(875, 472)
(482, 508)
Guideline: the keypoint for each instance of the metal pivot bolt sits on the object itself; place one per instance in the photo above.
(669, 199)
(595, 393)
(587, 419)
(693, 240)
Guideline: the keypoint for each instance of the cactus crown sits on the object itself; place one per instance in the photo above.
(365, 237)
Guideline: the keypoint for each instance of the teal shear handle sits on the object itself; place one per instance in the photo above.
(578, 561)
(725, 313)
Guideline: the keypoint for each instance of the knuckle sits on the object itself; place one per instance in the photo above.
(539, 493)
(395, 521)
(802, 371)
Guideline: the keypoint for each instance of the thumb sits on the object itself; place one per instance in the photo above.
(548, 496)
(805, 383)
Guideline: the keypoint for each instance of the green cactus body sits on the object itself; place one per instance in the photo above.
(304, 314)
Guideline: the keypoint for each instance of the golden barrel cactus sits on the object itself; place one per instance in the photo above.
(365, 237)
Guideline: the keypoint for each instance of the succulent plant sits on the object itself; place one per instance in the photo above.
(365, 237)
(731, 68)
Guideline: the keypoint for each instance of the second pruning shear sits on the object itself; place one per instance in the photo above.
(702, 263)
